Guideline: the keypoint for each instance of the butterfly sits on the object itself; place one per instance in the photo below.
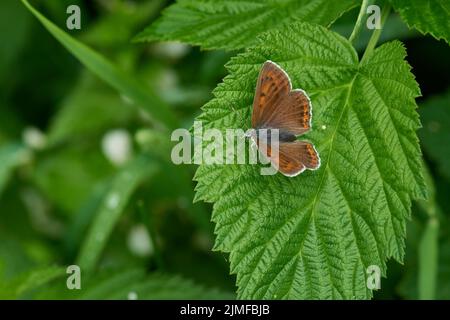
(277, 106)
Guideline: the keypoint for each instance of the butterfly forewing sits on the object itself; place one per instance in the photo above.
(272, 87)
(276, 106)
(294, 113)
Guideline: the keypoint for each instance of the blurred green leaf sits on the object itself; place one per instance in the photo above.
(68, 175)
(82, 218)
(435, 134)
(104, 69)
(13, 37)
(152, 287)
(39, 277)
(126, 181)
(29, 281)
(135, 284)
(159, 145)
(90, 109)
(222, 24)
(427, 16)
(11, 156)
(119, 24)
(14, 259)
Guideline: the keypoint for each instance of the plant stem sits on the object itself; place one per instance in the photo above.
(428, 251)
(359, 22)
(428, 260)
(376, 34)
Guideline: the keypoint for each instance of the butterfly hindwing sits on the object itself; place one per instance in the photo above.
(302, 151)
(293, 157)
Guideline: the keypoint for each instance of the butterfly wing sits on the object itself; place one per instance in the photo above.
(276, 106)
(293, 113)
(272, 87)
(293, 157)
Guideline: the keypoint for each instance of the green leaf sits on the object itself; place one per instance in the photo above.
(313, 236)
(427, 16)
(68, 189)
(152, 287)
(234, 24)
(29, 281)
(157, 144)
(435, 114)
(104, 106)
(136, 284)
(104, 32)
(112, 207)
(13, 39)
(412, 285)
(11, 155)
(39, 277)
(104, 69)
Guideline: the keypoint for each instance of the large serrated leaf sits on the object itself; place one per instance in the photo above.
(314, 236)
(427, 16)
(234, 24)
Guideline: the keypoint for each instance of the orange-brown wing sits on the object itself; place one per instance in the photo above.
(294, 157)
(293, 113)
(272, 87)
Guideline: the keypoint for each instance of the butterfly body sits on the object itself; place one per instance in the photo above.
(266, 133)
(277, 106)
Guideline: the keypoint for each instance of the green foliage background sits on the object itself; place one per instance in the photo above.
(135, 229)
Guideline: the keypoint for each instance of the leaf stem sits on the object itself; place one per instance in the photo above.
(428, 260)
(376, 34)
(428, 250)
(359, 21)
